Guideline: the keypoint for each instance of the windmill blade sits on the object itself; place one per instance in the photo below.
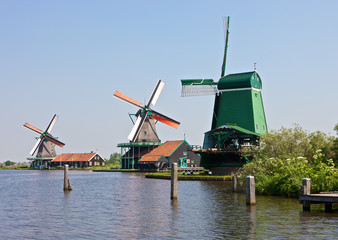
(156, 93)
(198, 87)
(36, 146)
(226, 36)
(137, 127)
(55, 141)
(27, 125)
(52, 123)
(124, 98)
(164, 119)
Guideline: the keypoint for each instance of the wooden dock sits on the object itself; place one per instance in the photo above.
(306, 198)
(189, 169)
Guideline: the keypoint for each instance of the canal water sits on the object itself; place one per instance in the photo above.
(33, 205)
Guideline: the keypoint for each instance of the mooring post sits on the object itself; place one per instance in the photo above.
(305, 190)
(250, 190)
(174, 180)
(306, 186)
(234, 183)
(66, 184)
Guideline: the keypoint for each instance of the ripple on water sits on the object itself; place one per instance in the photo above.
(33, 205)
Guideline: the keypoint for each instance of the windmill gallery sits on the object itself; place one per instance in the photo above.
(238, 120)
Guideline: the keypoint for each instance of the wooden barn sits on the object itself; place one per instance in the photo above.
(78, 160)
(170, 152)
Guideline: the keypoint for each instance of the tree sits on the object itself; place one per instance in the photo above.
(9, 163)
(335, 146)
(294, 142)
(114, 158)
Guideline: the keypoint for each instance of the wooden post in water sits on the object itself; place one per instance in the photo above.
(305, 190)
(306, 186)
(66, 185)
(174, 180)
(234, 183)
(328, 207)
(250, 190)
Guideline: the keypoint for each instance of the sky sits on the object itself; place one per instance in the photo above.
(69, 57)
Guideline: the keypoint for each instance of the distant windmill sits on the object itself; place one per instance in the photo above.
(45, 145)
(144, 128)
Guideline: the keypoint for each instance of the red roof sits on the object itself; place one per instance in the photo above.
(74, 157)
(166, 149)
(150, 158)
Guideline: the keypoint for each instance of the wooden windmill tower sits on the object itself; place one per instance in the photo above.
(238, 116)
(45, 145)
(143, 136)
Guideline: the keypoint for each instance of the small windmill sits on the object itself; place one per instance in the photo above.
(144, 128)
(45, 145)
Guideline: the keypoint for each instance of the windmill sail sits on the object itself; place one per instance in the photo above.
(164, 119)
(198, 87)
(137, 127)
(54, 140)
(36, 146)
(35, 129)
(52, 123)
(156, 93)
(127, 99)
(226, 35)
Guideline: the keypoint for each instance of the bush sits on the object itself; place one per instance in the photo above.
(286, 156)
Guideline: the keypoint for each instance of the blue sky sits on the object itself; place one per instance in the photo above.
(69, 57)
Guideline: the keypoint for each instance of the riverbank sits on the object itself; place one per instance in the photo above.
(192, 178)
(118, 170)
(167, 175)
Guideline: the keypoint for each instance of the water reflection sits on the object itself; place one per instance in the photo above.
(174, 217)
(251, 212)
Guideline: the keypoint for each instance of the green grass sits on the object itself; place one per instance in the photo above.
(13, 167)
(118, 170)
(104, 167)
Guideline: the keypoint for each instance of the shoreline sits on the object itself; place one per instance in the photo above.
(191, 177)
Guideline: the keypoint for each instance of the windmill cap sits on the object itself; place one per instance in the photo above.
(240, 80)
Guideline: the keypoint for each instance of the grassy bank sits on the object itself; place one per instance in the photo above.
(13, 167)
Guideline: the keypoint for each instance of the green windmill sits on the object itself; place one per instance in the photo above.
(238, 116)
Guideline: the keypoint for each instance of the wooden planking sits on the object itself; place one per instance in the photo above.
(306, 198)
(319, 198)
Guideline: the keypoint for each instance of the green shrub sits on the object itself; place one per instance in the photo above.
(286, 156)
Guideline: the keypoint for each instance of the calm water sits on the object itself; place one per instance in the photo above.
(33, 205)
